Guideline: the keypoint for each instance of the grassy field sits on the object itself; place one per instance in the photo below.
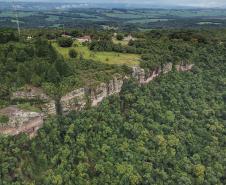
(105, 57)
(123, 42)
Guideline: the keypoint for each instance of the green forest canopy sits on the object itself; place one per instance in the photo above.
(171, 131)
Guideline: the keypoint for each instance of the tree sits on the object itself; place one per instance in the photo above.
(36, 80)
(21, 56)
(53, 75)
(75, 33)
(119, 37)
(3, 119)
(65, 42)
(72, 53)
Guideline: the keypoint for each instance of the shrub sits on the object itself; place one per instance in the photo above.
(65, 42)
(119, 37)
(72, 53)
(28, 107)
(3, 119)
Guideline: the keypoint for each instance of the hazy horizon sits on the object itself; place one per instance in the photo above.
(163, 3)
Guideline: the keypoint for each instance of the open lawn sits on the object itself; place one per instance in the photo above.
(105, 57)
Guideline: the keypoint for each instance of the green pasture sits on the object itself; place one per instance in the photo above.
(105, 57)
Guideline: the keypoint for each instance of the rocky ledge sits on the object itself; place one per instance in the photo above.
(20, 121)
(29, 122)
(146, 77)
(30, 93)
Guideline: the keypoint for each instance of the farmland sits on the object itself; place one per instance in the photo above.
(105, 18)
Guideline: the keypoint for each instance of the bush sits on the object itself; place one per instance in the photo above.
(3, 119)
(65, 42)
(7, 36)
(28, 107)
(72, 53)
(119, 37)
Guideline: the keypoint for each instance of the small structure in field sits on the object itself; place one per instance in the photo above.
(86, 38)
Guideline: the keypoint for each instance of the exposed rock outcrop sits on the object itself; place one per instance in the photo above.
(167, 68)
(75, 100)
(21, 121)
(105, 90)
(29, 122)
(146, 77)
(184, 67)
(49, 108)
(30, 93)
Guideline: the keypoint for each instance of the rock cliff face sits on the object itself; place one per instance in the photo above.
(77, 99)
(21, 121)
(184, 67)
(29, 122)
(49, 108)
(167, 68)
(105, 90)
(30, 93)
(146, 77)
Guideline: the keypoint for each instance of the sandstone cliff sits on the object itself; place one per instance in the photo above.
(20, 121)
(78, 99)
(75, 100)
(146, 77)
(29, 122)
(30, 93)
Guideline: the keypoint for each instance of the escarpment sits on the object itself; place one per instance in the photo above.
(34, 94)
(145, 77)
(21, 121)
(79, 98)
(185, 67)
(106, 89)
(75, 100)
(30, 93)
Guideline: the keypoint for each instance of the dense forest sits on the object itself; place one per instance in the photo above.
(171, 131)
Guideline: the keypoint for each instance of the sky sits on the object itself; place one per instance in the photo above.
(194, 3)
